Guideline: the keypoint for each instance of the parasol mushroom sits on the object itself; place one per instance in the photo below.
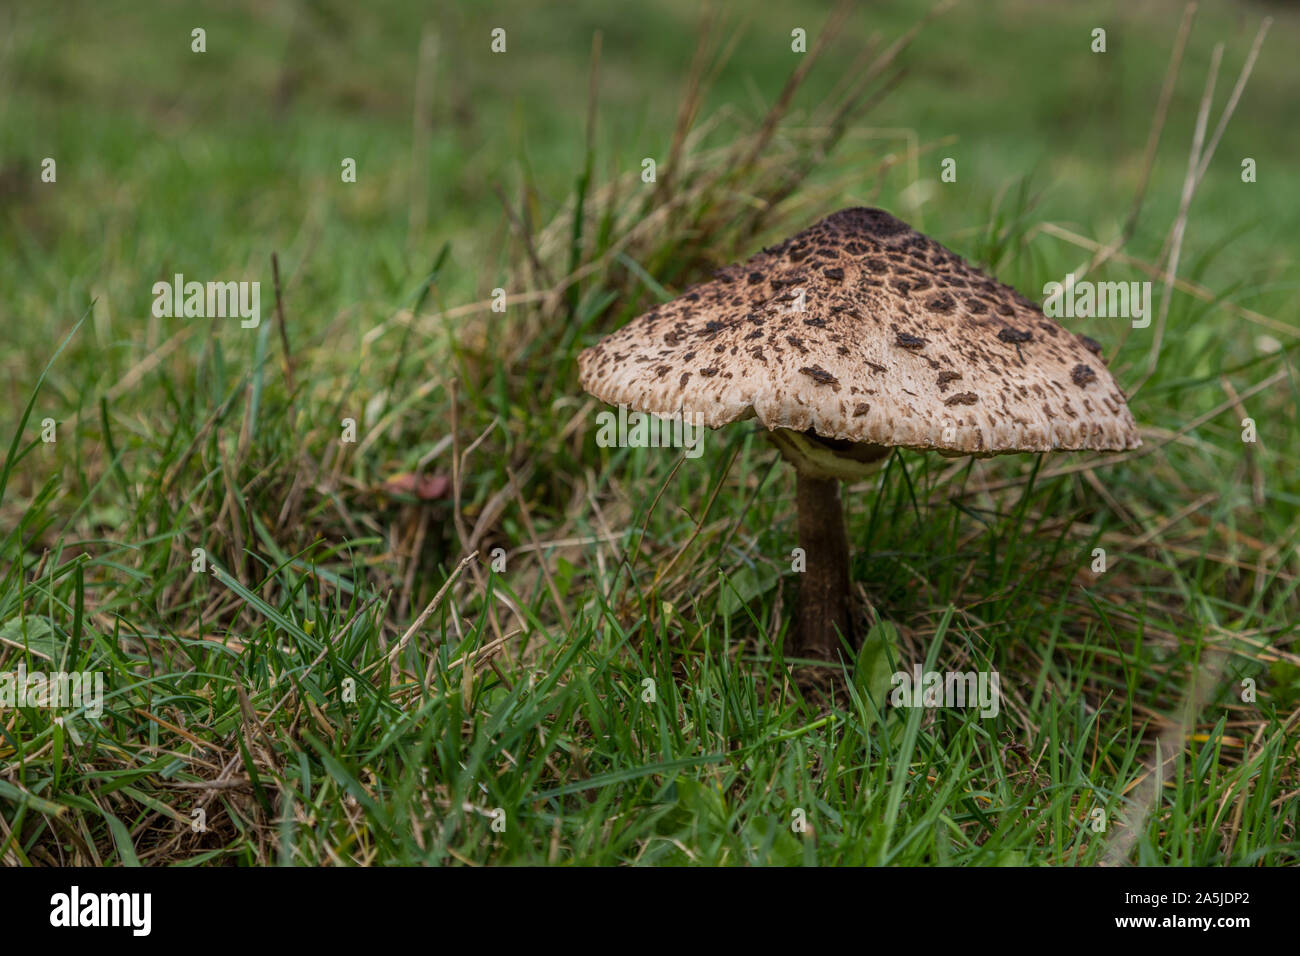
(855, 336)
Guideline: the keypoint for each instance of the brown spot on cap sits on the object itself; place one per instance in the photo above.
(820, 375)
(909, 341)
(941, 302)
(1083, 376)
(963, 398)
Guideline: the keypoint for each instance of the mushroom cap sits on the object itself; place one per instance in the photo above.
(899, 342)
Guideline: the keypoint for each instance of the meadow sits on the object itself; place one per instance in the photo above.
(365, 590)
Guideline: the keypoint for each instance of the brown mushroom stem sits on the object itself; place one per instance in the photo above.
(825, 609)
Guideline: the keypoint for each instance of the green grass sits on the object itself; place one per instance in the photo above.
(261, 690)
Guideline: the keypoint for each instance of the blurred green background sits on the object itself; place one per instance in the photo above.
(174, 161)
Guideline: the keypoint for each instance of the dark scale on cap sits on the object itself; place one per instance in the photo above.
(875, 222)
(709, 372)
(941, 302)
(1014, 336)
(821, 376)
(945, 378)
(1083, 376)
(1091, 344)
(860, 409)
(962, 398)
(909, 341)
(835, 274)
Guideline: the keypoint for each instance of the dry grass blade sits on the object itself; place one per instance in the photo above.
(829, 30)
(432, 606)
(1153, 141)
(1180, 221)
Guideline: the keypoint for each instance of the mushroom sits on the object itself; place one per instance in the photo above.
(854, 336)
